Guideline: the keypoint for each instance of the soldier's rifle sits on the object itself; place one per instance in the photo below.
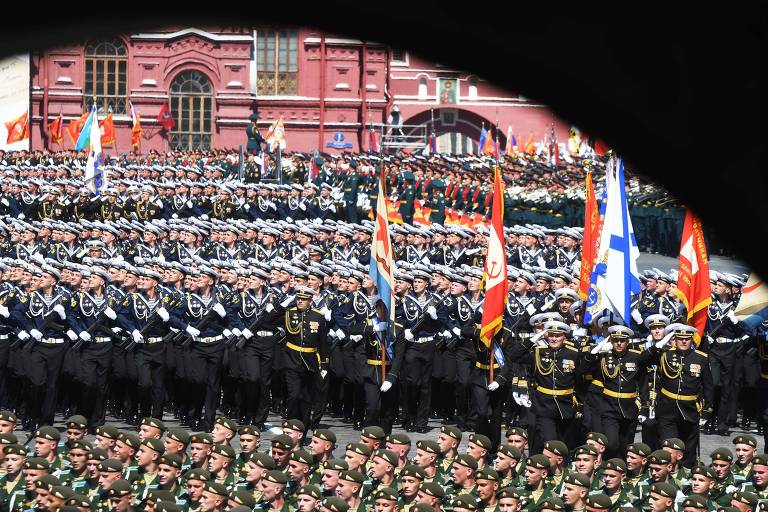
(185, 339)
(48, 321)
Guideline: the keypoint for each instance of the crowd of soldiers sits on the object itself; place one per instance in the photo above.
(188, 296)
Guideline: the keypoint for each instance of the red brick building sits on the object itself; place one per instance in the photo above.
(327, 88)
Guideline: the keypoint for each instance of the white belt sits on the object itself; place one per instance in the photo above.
(211, 339)
(265, 333)
(4, 336)
(724, 340)
(52, 341)
(524, 335)
(156, 339)
(102, 339)
(424, 339)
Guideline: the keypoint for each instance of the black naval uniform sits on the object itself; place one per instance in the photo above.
(685, 380)
(305, 359)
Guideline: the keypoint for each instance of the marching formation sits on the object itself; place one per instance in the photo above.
(182, 293)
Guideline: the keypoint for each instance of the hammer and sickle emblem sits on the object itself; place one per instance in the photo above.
(492, 273)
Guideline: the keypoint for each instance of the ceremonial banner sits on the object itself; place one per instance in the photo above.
(615, 278)
(14, 103)
(693, 286)
(75, 126)
(276, 135)
(495, 271)
(165, 118)
(135, 128)
(591, 235)
(107, 127)
(57, 130)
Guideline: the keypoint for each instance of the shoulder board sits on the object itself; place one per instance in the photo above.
(635, 351)
(701, 353)
(571, 348)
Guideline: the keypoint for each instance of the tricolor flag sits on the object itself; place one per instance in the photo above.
(483, 137)
(591, 235)
(511, 142)
(90, 139)
(433, 143)
(693, 286)
(615, 277)
(313, 171)
(495, 273)
(382, 271)
(135, 128)
(753, 304)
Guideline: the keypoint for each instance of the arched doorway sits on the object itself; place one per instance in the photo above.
(457, 130)
(191, 98)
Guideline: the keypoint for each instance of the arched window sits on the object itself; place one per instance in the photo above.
(191, 103)
(106, 75)
(422, 88)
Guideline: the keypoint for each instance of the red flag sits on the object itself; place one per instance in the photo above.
(18, 129)
(75, 126)
(107, 127)
(165, 118)
(489, 148)
(495, 272)
(57, 130)
(591, 235)
(693, 286)
(373, 142)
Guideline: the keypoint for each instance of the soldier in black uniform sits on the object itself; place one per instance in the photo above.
(92, 314)
(261, 336)
(724, 347)
(425, 317)
(554, 371)
(621, 371)
(208, 318)
(685, 384)
(306, 352)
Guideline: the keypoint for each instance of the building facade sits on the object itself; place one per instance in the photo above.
(331, 91)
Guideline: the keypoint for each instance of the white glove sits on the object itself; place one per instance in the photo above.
(59, 310)
(732, 317)
(302, 207)
(332, 334)
(530, 309)
(323, 373)
(4, 311)
(408, 335)
(744, 338)
(636, 316)
(137, 337)
(247, 334)
(247, 207)
(526, 401)
(36, 334)
(163, 314)
(665, 340)
(541, 262)
(227, 333)
(446, 334)
(72, 335)
(432, 312)
(192, 331)
(110, 313)
(356, 337)
(116, 330)
(332, 208)
(381, 326)
(270, 308)
(386, 386)
(287, 302)
(288, 219)
(219, 309)
(516, 398)
(326, 313)
(641, 419)
(204, 217)
(85, 336)
(340, 334)
(548, 305)
(22, 216)
(189, 204)
(580, 332)
(23, 335)
(599, 347)
(493, 386)
(237, 332)
(456, 331)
